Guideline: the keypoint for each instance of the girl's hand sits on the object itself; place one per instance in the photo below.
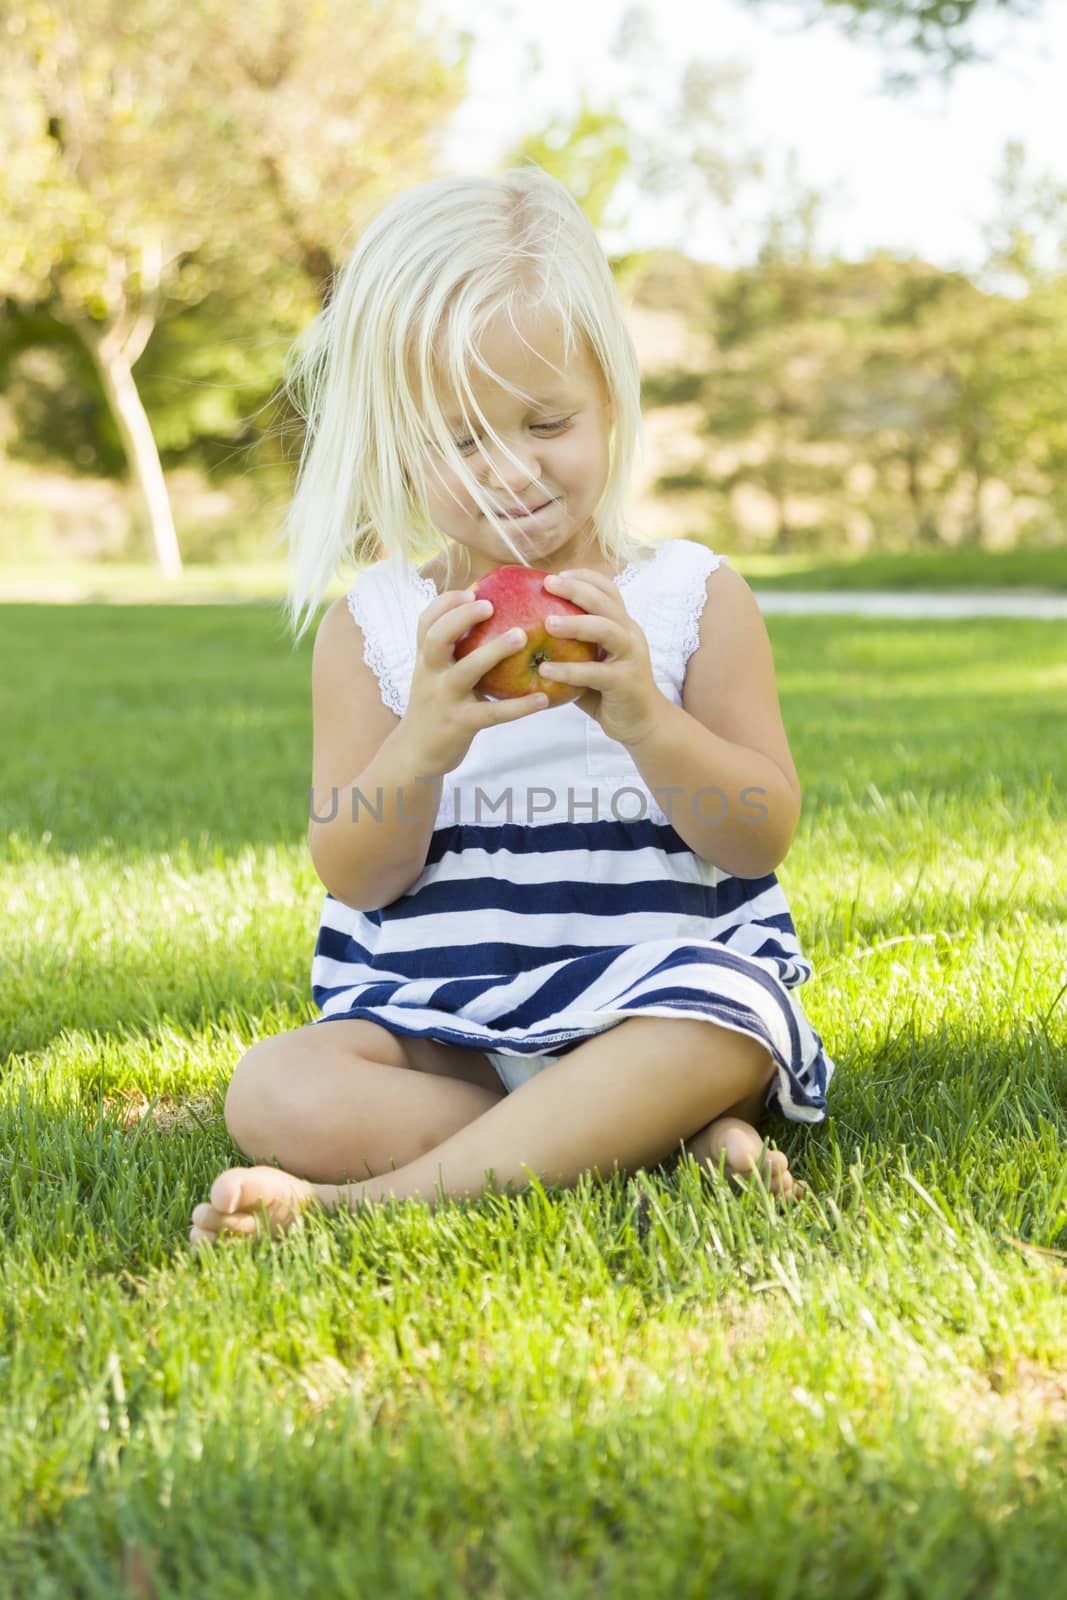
(443, 713)
(621, 693)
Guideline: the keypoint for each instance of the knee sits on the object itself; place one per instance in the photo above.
(250, 1108)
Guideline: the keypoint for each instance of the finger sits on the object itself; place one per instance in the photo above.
(586, 674)
(603, 630)
(473, 667)
(523, 705)
(601, 580)
(442, 604)
(582, 588)
(450, 615)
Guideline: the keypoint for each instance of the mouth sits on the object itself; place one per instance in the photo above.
(526, 511)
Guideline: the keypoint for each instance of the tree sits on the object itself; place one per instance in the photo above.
(587, 155)
(886, 393)
(667, 143)
(151, 156)
(933, 34)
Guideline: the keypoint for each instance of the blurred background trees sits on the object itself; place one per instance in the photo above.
(916, 37)
(179, 183)
(176, 180)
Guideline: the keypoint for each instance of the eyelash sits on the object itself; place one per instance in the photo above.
(463, 444)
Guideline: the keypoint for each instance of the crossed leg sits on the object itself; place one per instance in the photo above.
(624, 1099)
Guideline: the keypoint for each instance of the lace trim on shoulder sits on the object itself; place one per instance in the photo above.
(676, 605)
(692, 605)
(426, 586)
(643, 564)
(383, 652)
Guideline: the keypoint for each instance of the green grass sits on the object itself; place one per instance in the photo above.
(963, 570)
(647, 1387)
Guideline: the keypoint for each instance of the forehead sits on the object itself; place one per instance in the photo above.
(529, 356)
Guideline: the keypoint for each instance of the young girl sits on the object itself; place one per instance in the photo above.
(552, 940)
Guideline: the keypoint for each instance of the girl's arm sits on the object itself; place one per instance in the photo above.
(723, 755)
(359, 744)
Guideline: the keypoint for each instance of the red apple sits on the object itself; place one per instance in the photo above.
(520, 600)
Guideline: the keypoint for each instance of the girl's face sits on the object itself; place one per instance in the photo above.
(562, 440)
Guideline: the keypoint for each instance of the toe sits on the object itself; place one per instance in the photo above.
(777, 1175)
(226, 1190)
(743, 1146)
(208, 1220)
(782, 1181)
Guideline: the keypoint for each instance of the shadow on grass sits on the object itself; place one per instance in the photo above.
(980, 1113)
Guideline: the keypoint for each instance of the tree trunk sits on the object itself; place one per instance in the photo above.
(972, 439)
(108, 349)
(782, 543)
(925, 527)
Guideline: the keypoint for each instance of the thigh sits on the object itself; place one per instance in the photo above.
(376, 1043)
(328, 1105)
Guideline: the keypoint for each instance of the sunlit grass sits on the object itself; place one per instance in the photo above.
(109, 582)
(646, 1387)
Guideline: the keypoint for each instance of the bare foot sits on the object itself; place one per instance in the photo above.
(741, 1145)
(250, 1201)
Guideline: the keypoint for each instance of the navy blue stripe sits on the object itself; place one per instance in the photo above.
(571, 983)
(684, 954)
(545, 838)
(479, 962)
(557, 898)
(488, 962)
(716, 1009)
(554, 1042)
(564, 896)
(778, 919)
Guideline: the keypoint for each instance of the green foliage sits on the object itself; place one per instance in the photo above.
(57, 408)
(933, 34)
(881, 397)
(178, 185)
(154, 158)
(588, 154)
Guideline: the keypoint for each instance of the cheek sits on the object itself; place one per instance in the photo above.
(443, 489)
(584, 454)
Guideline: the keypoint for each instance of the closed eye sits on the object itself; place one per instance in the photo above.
(552, 427)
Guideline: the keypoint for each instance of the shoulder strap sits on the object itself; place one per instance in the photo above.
(675, 601)
(386, 601)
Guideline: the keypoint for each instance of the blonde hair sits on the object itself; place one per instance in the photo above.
(432, 268)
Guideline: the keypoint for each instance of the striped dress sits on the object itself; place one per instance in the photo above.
(557, 900)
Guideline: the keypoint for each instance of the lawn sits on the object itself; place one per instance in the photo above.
(963, 570)
(650, 1387)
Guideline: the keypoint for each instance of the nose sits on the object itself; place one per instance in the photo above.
(501, 475)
